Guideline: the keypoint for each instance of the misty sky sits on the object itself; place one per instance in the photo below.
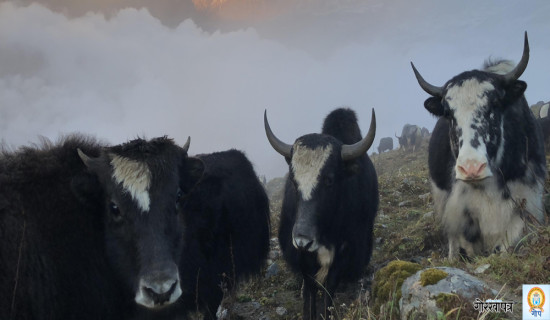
(162, 68)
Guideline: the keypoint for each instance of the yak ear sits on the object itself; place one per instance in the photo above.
(434, 106)
(515, 90)
(193, 172)
(86, 187)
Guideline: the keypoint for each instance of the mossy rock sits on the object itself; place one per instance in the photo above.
(432, 276)
(388, 281)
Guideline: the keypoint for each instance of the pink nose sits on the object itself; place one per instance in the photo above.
(472, 169)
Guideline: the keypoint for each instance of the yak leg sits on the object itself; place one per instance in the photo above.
(309, 293)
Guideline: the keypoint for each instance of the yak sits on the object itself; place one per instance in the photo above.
(137, 230)
(385, 144)
(486, 157)
(329, 206)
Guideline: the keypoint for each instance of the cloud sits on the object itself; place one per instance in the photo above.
(128, 74)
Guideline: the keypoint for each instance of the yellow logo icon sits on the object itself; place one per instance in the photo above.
(535, 299)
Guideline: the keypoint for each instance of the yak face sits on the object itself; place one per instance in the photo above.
(316, 170)
(142, 184)
(474, 103)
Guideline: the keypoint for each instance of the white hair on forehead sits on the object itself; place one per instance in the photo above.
(468, 96)
(135, 178)
(306, 165)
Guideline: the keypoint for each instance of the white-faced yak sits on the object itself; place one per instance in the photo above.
(329, 206)
(486, 158)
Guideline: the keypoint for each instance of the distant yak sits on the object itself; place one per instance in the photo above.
(385, 144)
(411, 138)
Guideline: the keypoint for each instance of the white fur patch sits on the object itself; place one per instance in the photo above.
(135, 178)
(502, 67)
(500, 221)
(307, 165)
(465, 100)
(324, 257)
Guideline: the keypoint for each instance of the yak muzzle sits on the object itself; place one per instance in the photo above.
(159, 288)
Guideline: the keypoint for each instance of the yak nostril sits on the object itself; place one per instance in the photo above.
(481, 168)
(159, 295)
(472, 169)
(303, 242)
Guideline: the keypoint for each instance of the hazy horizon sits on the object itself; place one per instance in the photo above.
(209, 69)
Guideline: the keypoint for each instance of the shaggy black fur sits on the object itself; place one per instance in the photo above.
(52, 255)
(227, 221)
(66, 254)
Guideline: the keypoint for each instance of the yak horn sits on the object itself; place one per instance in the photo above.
(429, 88)
(522, 65)
(186, 145)
(279, 146)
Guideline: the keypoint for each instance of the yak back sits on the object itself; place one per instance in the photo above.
(342, 124)
(227, 222)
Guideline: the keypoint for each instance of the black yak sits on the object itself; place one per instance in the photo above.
(329, 206)
(137, 230)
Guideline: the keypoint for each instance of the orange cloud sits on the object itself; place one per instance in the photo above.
(251, 10)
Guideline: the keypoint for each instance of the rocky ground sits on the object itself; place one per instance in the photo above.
(405, 232)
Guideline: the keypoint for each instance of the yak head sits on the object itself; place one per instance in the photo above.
(474, 103)
(319, 165)
(141, 186)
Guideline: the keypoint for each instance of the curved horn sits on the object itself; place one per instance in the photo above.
(279, 146)
(395, 134)
(84, 157)
(350, 152)
(522, 65)
(429, 88)
(186, 145)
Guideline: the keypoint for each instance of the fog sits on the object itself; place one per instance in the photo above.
(118, 72)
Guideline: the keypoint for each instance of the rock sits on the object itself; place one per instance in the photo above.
(378, 240)
(404, 203)
(281, 311)
(481, 268)
(417, 299)
(222, 313)
(274, 254)
(428, 215)
(424, 196)
(396, 193)
(245, 310)
(272, 270)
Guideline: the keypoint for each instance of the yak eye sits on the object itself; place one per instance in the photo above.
(329, 181)
(115, 211)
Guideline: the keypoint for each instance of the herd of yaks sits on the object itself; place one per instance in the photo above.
(142, 230)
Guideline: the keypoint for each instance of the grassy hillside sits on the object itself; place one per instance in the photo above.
(405, 229)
